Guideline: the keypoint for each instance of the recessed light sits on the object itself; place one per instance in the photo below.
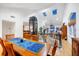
(12, 16)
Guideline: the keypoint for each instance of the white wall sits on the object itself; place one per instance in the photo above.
(71, 8)
(5, 14)
(0, 28)
(77, 21)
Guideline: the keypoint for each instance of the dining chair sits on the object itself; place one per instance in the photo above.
(54, 48)
(9, 48)
(4, 52)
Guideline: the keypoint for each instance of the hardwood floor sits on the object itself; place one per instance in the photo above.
(66, 49)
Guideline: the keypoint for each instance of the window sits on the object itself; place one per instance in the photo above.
(54, 12)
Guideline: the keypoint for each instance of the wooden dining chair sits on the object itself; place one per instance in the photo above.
(26, 35)
(34, 37)
(10, 36)
(54, 48)
(9, 48)
(4, 52)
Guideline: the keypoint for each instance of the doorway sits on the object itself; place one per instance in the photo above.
(8, 28)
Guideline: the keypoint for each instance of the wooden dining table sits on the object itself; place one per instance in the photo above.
(26, 52)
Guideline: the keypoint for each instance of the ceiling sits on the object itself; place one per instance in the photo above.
(26, 8)
(56, 19)
(29, 8)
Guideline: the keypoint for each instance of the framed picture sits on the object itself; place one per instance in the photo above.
(73, 16)
(72, 27)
